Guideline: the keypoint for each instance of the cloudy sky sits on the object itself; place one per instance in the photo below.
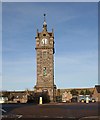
(76, 43)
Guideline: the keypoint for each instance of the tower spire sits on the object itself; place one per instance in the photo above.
(44, 23)
(44, 17)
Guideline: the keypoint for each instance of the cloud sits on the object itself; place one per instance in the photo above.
(19, 74)
(72, 68)
(76, 43)
(81, 59)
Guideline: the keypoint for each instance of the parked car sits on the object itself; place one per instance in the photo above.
(93, 100)
(74, 99)
(3, 99)
(83, 98)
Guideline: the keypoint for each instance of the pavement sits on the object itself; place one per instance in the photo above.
(69, 111)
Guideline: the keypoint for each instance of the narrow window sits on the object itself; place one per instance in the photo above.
(44, 54)
(44, 71)
(44, 34)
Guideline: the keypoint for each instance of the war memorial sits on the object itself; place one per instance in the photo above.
(45, 84)
(46, 100)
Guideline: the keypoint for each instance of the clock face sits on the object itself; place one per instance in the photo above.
(44, 41)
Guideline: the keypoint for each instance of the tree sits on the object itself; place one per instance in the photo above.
(11, 97)
(82, 92)
(30, 98)
(5, 93)
(74, 92)
(87, 92)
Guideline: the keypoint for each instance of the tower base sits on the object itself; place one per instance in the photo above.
(50, 92)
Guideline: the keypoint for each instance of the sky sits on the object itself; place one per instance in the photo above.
(50, 0)
(76, 43)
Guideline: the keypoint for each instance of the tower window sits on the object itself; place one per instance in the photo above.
(44, 71)
(44, 54)
(44, 34)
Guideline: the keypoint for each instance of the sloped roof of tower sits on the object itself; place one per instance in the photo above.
(97, 88)
(51, 34)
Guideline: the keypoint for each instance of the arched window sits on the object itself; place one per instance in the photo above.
(44, 71)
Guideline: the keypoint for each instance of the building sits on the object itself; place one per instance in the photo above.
(61, 91)
(45, 62)
(96, 93)
(19, 96)
(15, 96)
(3, 99)
(30, 96)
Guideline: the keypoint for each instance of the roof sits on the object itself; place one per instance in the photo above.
(97, 88)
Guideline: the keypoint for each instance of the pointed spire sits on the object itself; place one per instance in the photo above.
(44, 23)
(44, 17)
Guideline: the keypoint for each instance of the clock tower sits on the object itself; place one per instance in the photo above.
(45, 62)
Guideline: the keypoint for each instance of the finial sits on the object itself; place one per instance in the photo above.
(44, 23)
(44, 17)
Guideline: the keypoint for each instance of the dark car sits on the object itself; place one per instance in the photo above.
(92, 100)
(74, 99)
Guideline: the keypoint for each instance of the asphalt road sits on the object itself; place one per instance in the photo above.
(71, 111)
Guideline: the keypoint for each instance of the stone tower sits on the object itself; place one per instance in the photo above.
(45, 62)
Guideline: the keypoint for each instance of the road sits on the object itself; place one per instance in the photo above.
(58, 110)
